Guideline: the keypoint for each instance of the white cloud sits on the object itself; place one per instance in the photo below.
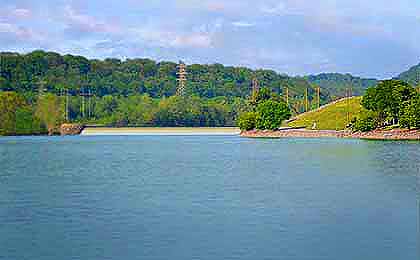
(168, 39)
(192, 40)
(19, 32)
(243, 24)
(22, 13)
(88, 23)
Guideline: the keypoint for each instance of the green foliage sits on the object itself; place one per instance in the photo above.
(134, 76)
(411, 76)
(17, 116)
(387, 98)
(50, 112)
(367, 121)
(336, 84)
(410, 113)
(270, 114)
(247, 121)
(10, 102)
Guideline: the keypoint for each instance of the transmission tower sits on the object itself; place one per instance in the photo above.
(182, 79)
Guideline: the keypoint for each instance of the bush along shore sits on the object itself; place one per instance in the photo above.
(388, 111)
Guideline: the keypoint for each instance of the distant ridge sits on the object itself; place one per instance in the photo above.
(337, 83)
(411, 76)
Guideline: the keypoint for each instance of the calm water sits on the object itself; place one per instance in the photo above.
(200, 197)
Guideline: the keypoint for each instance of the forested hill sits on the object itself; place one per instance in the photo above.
(52, 71)
(336, 83)
(412, 76)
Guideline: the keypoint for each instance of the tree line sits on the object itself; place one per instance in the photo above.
(54, 72)
(133, 92)
(390, 103)
(20, 115)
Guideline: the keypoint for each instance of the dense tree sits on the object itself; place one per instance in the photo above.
(247, 121)
(390, 101)
(270, 114)
(17, 116)
(10, 102)
(367, 121)
(27, 72)
(336, 84)
(387, 98)
(410, 113)
(50, 111)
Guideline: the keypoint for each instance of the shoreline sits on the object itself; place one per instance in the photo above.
(395, 134)
(89, 131)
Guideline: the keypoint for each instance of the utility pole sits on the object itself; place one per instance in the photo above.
(89, 103)
(86, 94)
(41, 88)
(67, 105)
(255, 88)
(82, 94)
(306, 100)
(348, 93)
(287, 96)
(182, 78)
(318, 95)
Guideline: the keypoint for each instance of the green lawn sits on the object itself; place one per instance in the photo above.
(331, 117)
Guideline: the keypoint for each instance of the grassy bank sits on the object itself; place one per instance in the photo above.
(330, 117)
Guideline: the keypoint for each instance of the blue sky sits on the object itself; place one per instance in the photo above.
(374, 38)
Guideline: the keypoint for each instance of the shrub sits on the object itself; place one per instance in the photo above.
(270, 114)
(410, 114)
(247, 121)
(367, 121)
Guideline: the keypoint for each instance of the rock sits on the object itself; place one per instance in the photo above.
(71, 129)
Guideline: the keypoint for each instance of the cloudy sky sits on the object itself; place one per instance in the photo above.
(375, 38)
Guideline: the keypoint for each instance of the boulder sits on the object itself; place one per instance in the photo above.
(71, 129)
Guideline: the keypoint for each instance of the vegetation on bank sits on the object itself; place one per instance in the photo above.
(390, 103)
(267, 111)
(27, 73)
(140, 92)
(336, 116)
(338, 84)
(20, 115)
(135, 92)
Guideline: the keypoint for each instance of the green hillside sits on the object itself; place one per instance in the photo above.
(411, 76)
(54, 72)
(336, 84)
(330, 117)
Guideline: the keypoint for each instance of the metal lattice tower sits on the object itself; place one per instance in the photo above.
(182, 79)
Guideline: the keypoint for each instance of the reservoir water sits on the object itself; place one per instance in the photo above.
(207, 197)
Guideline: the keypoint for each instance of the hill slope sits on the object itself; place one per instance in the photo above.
(336, 83)
(53, 71)
(411, 76)
(332, 116)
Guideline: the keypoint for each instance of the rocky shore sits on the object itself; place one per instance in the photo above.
(71, 129)
(396, 134)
